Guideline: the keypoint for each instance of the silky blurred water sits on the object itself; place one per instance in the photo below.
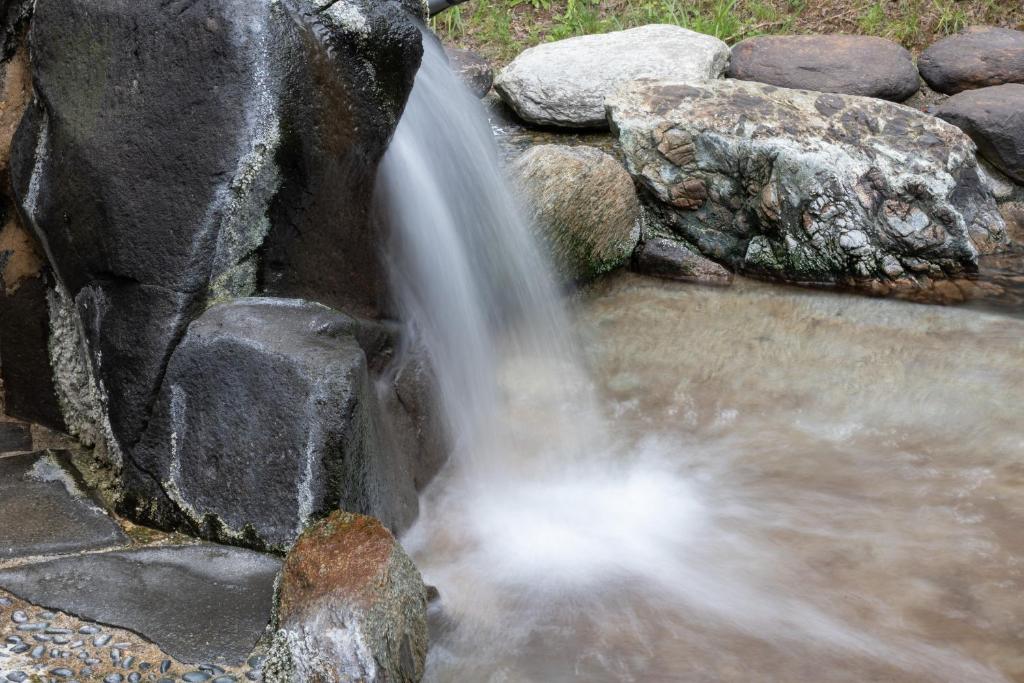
(673, 483)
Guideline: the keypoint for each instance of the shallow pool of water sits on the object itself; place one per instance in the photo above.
(786, 485)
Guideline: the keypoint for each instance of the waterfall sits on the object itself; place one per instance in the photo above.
(567, 546)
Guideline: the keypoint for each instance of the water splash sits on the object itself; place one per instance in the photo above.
(564, 545)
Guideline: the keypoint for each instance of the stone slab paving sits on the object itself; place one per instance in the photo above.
(44, 511)
(199, 603)
(87, 596)
(47, 645)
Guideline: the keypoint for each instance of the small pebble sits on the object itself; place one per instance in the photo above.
(101, 640)
(122, 646)
(128, 662)
(19, 649)
(164, 680)
(40, 638)
(113, 678)
(37, 652)
(19, 617)
(196, 677)
(144, 666)
(134, 677)
(165, 666)
(92, 661)
(77, 644)
(211, 668)
(88, 630)
(5, 602)
(86, 672)
(63, 673)
(58, 631)
(30, 627)
(255, 662)
(46, 616)
(225, 679)
(13, 640)
(61, 640)
(17, 676)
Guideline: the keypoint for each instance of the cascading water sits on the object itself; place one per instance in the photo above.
(568, 544)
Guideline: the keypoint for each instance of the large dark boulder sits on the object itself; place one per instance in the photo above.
(184, 152)
(266, 421)
(850, 65)
(977, 58)
(994, 118)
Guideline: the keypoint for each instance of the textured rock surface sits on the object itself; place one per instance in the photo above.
(584, 206)
(203, 604)
(266, 419)
(24, 277)
(566, 82)
(675, 260)
(473, 69)
(808, 187)
(994, 118)
(979, 57)
(43, 509)
(352, 607)
(1013, 214)
(851, 65)
(284, 109)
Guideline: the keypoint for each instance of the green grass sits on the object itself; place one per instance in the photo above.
(500, 29)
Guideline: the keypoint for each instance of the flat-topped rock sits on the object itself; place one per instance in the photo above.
(979, 57)
(808, 187)
(43, 509)
(673, 259)
(265, 421)
(850, 65)
(200, 603)
(994, 118)
(565, 83)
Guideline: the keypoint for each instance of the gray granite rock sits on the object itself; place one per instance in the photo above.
(850, 65)
(979, 57)
(43, 509)
(199, 603)
(808, 187)
(565, 83)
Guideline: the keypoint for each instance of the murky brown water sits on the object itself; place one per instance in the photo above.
(796, 486)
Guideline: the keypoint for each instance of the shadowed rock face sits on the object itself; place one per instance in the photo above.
(851, 65)
(184, 152)
(979, 57)
(808, 187)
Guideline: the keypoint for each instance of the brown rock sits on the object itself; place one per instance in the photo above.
(1013, 214)
(979, 57)
(352, 607)
(473, 69)
(850, 65)
(674, 260)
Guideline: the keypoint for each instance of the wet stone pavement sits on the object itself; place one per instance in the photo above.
(85, 596)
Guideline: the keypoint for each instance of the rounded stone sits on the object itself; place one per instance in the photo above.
(994, 118)
(979, 57)
(844, 64)
(583, 205)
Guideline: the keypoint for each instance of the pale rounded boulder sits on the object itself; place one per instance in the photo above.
(565, 83)
(850, 65)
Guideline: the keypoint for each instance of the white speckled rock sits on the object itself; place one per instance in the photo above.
(565, 83)
(805, 186)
